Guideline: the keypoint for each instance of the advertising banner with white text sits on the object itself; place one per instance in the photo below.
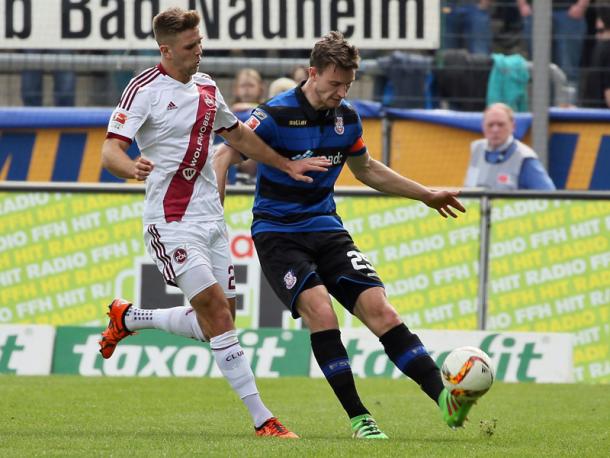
(516, 356)
(26, 349)
(65, 256)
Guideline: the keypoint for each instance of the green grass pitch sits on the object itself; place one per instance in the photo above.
(78, 416)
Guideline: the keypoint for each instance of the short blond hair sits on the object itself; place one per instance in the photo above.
(280, 85)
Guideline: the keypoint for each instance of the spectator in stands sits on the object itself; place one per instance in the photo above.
(506, 28)
(64, 85)
(467, 24)
(245, 172)
(569, 29)
(299, 73)
(596, 92)
(248, 90)
(280, 85)
(501, 162)
(248, 93)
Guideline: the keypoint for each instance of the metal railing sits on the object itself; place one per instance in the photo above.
(269, 67)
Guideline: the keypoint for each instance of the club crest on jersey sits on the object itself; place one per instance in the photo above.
(188, 173)
(209, 100)
(179, 255)
(253, 123)
(290, 279)
(339, 129)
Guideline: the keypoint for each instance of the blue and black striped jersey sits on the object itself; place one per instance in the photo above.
(291, 126)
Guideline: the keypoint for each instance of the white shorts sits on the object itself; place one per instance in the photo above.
(192, 256)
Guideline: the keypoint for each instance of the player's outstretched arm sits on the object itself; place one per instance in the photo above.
(117, 162)
(382, 178)
(224, 157)
(245, 140)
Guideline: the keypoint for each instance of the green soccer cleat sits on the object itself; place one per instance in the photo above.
(454, 411)
(365, 427)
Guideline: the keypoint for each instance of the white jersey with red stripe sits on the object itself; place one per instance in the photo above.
(174, 125)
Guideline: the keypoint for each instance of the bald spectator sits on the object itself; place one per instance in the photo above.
(500, 161)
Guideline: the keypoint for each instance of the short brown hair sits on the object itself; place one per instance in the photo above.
(333, 49)
(172, 21)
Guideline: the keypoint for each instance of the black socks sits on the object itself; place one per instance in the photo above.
(332, 358)
(410, 356)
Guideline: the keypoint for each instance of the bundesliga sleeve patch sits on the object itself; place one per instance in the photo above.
(118, 120)
(253, 122)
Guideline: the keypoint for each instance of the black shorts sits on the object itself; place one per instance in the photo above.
(296, 261)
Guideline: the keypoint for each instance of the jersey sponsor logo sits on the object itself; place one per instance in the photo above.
(179, 255)
(290, 279)
(297, 122)
(305, 155)
(339, 128)
(253, 123)
(209, 100)
(201, 135)
(189, 173)
(180, 189)
(171, 106)
(335, 159)
(260, 114)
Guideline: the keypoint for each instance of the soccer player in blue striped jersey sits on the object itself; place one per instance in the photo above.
(304, 250)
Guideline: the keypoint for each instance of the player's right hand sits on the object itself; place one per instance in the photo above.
(143, 167)
(298, 169)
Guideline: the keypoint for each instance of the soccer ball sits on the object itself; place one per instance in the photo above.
(467, 373)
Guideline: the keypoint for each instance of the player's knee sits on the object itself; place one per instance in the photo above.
(319, 317)
(377, 315)
(213, 306)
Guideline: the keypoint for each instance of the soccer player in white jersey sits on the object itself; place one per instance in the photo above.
(173, 111)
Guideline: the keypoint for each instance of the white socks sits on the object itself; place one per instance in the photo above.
(181, 321)
(234, 365)
(227, 351)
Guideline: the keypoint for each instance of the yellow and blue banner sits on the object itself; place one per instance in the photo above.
(430, 146)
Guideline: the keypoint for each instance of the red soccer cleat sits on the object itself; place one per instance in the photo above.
(273, 428)
(116, 330)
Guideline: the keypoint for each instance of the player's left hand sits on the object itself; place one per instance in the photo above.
(444, 202)
(297, 169)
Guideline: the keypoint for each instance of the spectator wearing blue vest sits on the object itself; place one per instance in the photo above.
(500, 161)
